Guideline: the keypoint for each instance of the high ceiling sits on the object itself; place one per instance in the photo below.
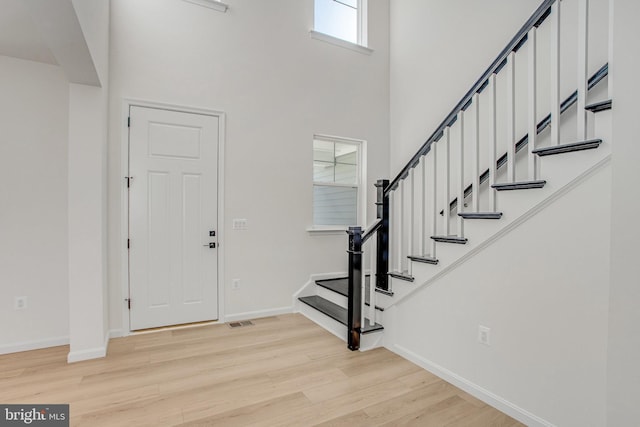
(19, 35)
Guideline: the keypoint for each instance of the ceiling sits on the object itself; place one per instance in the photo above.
(19, 35)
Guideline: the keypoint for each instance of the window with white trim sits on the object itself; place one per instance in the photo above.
(337, 178)
(343, 19)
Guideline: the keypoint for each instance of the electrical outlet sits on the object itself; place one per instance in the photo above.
(235, 284)
(484, 335)
(20, 303)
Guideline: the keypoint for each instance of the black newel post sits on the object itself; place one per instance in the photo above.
(382, 257)
(354, 310)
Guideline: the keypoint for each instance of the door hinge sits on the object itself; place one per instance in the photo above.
(128, 243)
(128, 300)
(128, 122)
(129, 179)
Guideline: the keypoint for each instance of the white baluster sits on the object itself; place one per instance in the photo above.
(362, 287)
(493, 144)
(555, 73)
(511, 117)
(401, 215)
(447, 170)
(461, 179)
(610, 53)
(583, 77)
(423, 206)
(476, 153)
(392, 227)
(533, 105)
(372, 281)
(410, 228)
(434, 196)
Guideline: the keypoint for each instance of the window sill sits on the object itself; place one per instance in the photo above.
(210, 4)
(339, 42)
(334, 230)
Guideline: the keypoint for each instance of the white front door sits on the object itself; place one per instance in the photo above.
(173, 198)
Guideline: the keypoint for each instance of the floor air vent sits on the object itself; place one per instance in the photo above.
(240, 324)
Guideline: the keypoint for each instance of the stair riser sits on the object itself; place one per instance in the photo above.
(326, 322)
(334, 297)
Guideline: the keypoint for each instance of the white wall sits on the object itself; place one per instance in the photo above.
(623, 386)
(88, 126)
(438, 50)
(33, 204)
(93, 16)
(546, 305)
(278, 87)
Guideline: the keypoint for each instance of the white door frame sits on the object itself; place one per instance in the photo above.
(124, 200)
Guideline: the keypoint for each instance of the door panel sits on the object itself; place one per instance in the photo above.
(172, 209)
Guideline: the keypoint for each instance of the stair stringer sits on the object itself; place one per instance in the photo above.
(483, 235)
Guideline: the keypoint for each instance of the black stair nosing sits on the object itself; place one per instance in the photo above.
(424, 259)
(568, 148)
(450, 239)
(368, 329)
(384, 292)
(480, 215)
(334, 311)
(401, 276)
(339, 285)
(376, 307)
(596, 107)
(326, 307)
(524, 185)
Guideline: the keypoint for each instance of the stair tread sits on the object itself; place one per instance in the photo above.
(335, 312)
(481, 215)
(426, 259)
(340, 286)
(568, 148)
(600, 106)
(523, 185)
(401, 276)
(450, 239)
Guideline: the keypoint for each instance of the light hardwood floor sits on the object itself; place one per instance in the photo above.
(283, 370)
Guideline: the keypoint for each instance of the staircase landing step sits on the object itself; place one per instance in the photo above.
(424, 259)
(524, 185)
(401, 275)
(568, 148)
(336, 312)
(450, 239)
(600, 106)
(481, 215)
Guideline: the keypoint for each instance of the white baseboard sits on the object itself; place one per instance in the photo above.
(475, 390)
(33, 345)
(116, 333)
(257, 314)
(90, 353)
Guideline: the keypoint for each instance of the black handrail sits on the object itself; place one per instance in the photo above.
(544, 123)
(535, 20)
(371, 230)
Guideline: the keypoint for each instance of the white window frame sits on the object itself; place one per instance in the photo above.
(361, 45)
(361, 202)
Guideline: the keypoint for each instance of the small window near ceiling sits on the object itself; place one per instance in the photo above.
(343, 19)
(336, 182)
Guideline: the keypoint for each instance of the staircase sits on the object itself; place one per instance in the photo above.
(473, 180)
(327, 305)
